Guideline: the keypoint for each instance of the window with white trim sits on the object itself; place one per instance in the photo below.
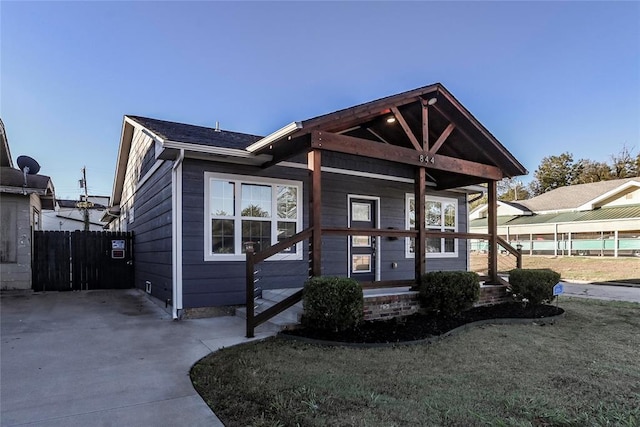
(441, 214)
(243, 209)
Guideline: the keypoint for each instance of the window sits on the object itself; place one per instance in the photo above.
(239, 211)
(441, 214)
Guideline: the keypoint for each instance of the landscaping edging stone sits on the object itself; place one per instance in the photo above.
(506, 321)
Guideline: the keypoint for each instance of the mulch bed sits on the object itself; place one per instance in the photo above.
(422, 326)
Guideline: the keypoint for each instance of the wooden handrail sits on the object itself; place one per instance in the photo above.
(252, 258)
(343, 231)
(280, 246)
(513, 251)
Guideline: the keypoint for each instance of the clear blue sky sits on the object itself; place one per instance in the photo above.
(543, 77)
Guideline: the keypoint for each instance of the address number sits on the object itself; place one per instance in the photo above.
(427, 159)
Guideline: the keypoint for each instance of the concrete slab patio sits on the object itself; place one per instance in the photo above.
(104, 358)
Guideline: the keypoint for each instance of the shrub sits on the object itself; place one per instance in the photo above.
(332, 303)
(449, 292)
(533, 286)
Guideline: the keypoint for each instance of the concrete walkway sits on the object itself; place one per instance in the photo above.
(104, 358)
(605, 292)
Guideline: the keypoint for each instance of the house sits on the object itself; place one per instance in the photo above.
(23, 197)
(599, 218)
(69, 215)
(377, 192)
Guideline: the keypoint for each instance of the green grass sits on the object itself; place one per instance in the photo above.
(582, 371)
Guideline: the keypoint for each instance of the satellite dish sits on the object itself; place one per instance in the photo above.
(28, 165)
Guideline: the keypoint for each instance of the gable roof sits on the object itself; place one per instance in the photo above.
(466, 152)
(574, 196)
(449, 132)
(5, 153)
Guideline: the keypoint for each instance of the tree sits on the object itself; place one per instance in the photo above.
(554, 172)
(589, 171)
(624, 165)
(511, 189)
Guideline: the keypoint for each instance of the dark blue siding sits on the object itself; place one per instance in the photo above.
(152, 228)
(215, 283)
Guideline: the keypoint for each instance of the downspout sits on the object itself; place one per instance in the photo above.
(176, 235)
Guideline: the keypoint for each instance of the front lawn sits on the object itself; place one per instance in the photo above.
(582, 371)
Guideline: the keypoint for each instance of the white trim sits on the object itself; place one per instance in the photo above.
(349, 172)
(590, 205)
(142, 128)
(275, 136)
(377, 252)
(217, 151)
(255, 180)
(176, 235)
(430, 198)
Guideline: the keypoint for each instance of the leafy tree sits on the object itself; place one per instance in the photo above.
(554, 172)
(589, 171)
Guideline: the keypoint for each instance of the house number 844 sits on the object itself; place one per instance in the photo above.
(427, 159)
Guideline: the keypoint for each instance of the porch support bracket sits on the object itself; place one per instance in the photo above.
(406, 128)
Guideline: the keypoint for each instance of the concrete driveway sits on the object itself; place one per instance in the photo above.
(605, 292)
(104, 358)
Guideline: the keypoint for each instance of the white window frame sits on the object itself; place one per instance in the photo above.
(408, 254)
(238, 255)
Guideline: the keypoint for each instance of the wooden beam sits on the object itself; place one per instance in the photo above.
(314, 164)
(406, 128)
(420, 248)
(425, 124)
(443, 137)
(364, 148)
(492, 224)
(369, 110)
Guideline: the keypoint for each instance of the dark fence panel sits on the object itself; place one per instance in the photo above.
(51, 269)
(82, 260)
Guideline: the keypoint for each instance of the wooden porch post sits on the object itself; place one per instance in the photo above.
(492, 224)
(314, 163)
(420, 246)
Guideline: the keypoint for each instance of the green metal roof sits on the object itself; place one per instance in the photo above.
(603, 214)
(482, 222)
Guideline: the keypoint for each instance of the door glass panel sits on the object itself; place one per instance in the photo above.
(361, 241)
(361, 263)
(360, 211)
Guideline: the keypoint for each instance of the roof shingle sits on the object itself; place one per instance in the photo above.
(192, 134)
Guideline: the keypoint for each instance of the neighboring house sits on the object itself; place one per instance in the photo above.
(69, 215)
(600, 218)
(398, 170)
(22, 200)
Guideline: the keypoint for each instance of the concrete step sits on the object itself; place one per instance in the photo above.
(288, 318)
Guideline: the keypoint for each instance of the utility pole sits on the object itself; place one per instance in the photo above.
(86, 198)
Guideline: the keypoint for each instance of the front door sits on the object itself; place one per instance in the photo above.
(362, 249)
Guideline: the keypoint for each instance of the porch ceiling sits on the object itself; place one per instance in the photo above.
(444, 130)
